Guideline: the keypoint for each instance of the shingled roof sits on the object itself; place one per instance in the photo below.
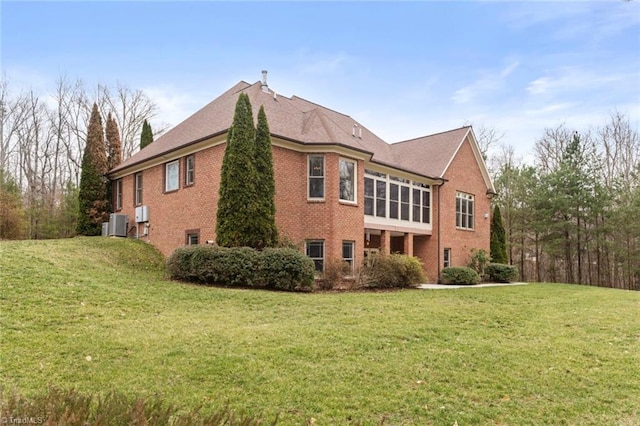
(307, 123)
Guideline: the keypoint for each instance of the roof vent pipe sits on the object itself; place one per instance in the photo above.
(265, 87)
(353, 130)
(360, 132)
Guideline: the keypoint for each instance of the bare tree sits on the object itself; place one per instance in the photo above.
(130, 108)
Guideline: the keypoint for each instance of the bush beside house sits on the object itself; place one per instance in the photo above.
(459, 275)
(277, 268)
(501, 273)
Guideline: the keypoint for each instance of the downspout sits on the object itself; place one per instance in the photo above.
(439, 248)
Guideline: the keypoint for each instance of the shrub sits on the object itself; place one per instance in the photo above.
(459, 275)
(501, 273)
(392, 271)
(286, 269)
(214, 265)
(478, 261)
(334, 272)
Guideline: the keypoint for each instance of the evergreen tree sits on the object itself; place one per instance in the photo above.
(146, 137)
(238, 204)
(114, 152)
(498, 238)
(266, 232)
(114, 145)
(13, 221)
(93, 201)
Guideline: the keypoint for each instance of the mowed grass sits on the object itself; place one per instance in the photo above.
(97, 315)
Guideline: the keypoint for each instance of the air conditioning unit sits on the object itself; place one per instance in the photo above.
(105, 229)
(118, 225)
(142, 214)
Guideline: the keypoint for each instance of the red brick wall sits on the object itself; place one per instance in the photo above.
(188, 208)
(463, 175)
(194, 207)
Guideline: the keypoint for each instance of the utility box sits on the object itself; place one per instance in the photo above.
(105, 229)
(118, 225)
(142, 214)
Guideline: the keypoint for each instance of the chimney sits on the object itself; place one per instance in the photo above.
(264, 85)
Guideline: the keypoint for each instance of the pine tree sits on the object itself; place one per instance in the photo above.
(498, 238)
(238, 205)
(93, 182)
(146, 137)
(266, 232)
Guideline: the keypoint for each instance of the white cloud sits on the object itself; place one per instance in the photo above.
(321, 63)
(567, 79)
(489, 82)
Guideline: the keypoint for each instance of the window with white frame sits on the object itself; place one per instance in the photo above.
(137, 190)
(189, 170)
(118, 195)
(396, 198)
(447, 257)
(172, 176)
(316, 176)
(315, 250)
(347, 171)
(464, 210)
(348, 253)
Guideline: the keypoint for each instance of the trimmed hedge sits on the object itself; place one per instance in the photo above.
(286, 269)
(393, 271)
(459, 275)
(279, 268)
(501, 273)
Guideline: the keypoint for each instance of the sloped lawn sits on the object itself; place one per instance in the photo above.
(96, 315)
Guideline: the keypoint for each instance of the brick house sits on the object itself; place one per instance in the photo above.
(341, 191)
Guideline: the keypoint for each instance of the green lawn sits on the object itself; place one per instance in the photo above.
(96, 314)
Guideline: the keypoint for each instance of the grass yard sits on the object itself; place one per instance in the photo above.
(96, 314)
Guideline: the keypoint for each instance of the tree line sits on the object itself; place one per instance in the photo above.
(574, 214)
(42, 143)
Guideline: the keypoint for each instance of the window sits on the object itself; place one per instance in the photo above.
(171, 177)
(464, 210)
(394, 199)
(118, 197)
(315, 250)
(316, 176)
(404, 202)
(192, 237)
(347, 171)
(381, 198)
(347, 253)
(368, 196)
(137, 190)
(421, 203)
(189, 170)
(447, 257)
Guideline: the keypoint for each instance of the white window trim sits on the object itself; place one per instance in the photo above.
(166, 176)
(118, 195)
(355, 181)
(306, 250)
(386, 220)
(138, 189)
(324, 177)
(463, 196)
(353, 253)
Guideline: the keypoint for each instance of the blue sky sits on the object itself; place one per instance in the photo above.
(403, 69)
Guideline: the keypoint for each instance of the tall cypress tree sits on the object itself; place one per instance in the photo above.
(266, 232)
(94, 206)
(114, 152)
(146, 137)
(238, 204)
(498, 238)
